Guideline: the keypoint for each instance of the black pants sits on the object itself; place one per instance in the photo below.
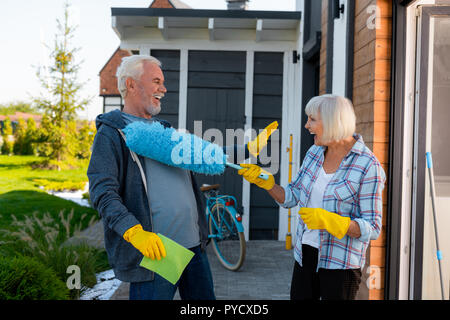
(326, 284)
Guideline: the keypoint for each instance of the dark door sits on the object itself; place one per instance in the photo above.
(267, 107)
(311, 66)
(216, 100)
(170, 60)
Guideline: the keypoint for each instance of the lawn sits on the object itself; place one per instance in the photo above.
(32, 227)
(20, 195)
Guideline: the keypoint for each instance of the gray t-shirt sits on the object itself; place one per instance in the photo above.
(172, 199)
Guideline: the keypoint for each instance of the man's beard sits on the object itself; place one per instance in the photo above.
(153, 110)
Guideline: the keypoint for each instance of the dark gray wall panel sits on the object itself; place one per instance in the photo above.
(267, 107)
(216, 96)
(216, 80)
(172, 80)
(169, 104)
(170, 60)
(217, 61)
(268, 63)
(268, 84)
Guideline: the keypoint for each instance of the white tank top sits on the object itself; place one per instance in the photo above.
(311, 237)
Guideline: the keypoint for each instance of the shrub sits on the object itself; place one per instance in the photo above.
(25, 278)
(87, 196)
(46, 240)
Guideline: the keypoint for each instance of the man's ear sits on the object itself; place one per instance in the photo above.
(130, 84)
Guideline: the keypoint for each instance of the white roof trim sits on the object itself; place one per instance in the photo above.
(203, 28)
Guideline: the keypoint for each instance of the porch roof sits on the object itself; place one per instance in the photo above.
(170, 24)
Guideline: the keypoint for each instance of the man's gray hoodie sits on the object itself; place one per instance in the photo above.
(117, 192)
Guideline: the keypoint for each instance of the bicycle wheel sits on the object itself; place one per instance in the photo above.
(228, 243)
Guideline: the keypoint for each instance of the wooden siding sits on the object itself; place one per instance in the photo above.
(371, 98)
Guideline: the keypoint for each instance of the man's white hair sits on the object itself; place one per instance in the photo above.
(132, 67)
(337, 114)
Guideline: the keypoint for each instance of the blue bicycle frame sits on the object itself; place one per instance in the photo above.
(230, 203)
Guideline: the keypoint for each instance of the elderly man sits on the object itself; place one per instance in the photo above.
(138, 197)
(135, 195)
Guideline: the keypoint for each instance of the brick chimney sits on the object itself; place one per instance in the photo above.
(237, 4)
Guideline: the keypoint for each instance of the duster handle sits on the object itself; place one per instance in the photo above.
(237, 167)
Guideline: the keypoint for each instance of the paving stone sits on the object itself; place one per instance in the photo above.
(266, 274)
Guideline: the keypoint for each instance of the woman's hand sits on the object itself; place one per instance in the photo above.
(318, 218)
(251, 173)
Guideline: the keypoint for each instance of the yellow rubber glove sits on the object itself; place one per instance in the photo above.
(148, 243)
(318, 218)
(255, 146)
(251, 173)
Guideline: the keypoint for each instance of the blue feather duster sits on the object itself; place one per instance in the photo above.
(178, 149)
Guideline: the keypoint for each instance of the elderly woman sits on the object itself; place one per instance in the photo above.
(338, 189)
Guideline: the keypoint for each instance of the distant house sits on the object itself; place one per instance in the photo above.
(108, 81)
(15, 119)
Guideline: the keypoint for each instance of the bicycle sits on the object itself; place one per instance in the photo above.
(225, 227)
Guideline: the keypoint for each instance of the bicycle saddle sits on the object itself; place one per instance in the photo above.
(207, 187)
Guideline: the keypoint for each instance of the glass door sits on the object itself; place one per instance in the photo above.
(432, 134)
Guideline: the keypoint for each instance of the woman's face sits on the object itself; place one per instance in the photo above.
(314, 126)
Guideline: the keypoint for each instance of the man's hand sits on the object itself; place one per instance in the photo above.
(148, 243)
(255, 146)
(251, 173)
(318, 218)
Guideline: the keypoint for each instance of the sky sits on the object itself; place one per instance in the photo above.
(26, 26)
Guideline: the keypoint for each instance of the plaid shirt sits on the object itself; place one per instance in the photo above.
(354, 191)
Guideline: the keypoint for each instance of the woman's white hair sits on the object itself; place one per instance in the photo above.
(337, 114)
(132, 67)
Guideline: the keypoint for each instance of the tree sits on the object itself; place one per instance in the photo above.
(62, 100)
(19, 137)
(7, 146)
(85, 139)
(31, 137)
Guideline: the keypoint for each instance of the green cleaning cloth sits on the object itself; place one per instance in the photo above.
(172, 266)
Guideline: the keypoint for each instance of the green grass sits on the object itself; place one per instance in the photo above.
(16, 173)
(21, 196)
(26, 228)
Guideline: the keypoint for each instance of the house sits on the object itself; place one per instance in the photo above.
(391, 58)
(108, 81)
(237, 68)
(229, 69)
(22, 115)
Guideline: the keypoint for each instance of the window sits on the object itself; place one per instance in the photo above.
(112, 103)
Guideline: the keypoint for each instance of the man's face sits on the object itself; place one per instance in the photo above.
(150, 88)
